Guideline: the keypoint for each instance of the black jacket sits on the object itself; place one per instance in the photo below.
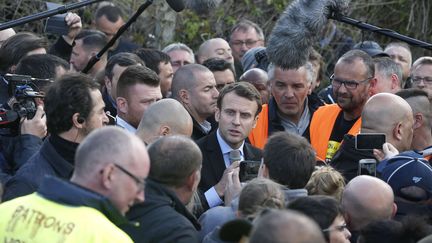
(198, 132)
(47, 161)
(162, 218)
(347, 157)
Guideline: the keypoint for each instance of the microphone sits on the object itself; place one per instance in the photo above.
(298, 28)
(176, 5)
(234, 155)
(202, 6)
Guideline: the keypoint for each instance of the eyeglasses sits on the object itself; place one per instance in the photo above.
(339, 228)
(248, 43)
(140, 182)
(349, 84)
(417, 80)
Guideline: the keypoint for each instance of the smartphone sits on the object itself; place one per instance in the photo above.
(249, 170)
(369, 141)
(367, 167)
(56, 24)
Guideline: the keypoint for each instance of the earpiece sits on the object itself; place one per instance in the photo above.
(80, 120)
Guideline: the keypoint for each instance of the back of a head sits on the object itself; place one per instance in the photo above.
(419, 101)
(43, 66)
(326, 181)
(68, 95)
(286, 227)
(136, 75)
(218, 65)
(92, 39)
(387, 67)
(185, 78)
(322, 209)
(260, 194)
(289, 159)
(165, 112)
(364, 205)
(152, 58)
(173, 160)
(17, 47)
(122, 59)
(249, 59)
(254, 75)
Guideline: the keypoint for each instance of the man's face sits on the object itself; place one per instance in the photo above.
(421, 77)
(140, 97)
(241, 41)
(402, 57)
(79, 57)
(107, 27)
(223, 78)
(218, 48)
(180, 58)
(165, 75)
(351, 99)
(236, 118)
(127, 191)
(97, 117)
(290, 89)
(203, 96)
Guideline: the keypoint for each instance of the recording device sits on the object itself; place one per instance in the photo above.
(249, 170)
(369, 141)
(56, 24)
(367, 167)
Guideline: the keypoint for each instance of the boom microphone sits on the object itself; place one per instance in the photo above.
(176, 5)
(298, 28)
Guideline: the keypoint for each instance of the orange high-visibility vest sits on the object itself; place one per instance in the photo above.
(258, 136)
(321, 128)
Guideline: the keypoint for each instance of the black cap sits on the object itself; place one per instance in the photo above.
(372, 48)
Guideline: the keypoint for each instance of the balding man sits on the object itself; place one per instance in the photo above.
(421, 107)
(363, 205)
(286, 226)
(216, 47)
(258, 78)
(163, 118)
(174, 176)
(194, 86)
(379, 116)
(110, 168)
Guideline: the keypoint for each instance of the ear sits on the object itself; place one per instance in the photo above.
(217, 114)
(184, 96)
(264, 172)
(107, 175)
(164, 130)
(122, 105)
(394, 210)
(108, 84)
(418, 120)
(395, 81)
(397, 131)
(75, 122)
(191, 181)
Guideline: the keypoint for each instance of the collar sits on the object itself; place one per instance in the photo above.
(124, 124)
(205, 126)
(60, 165)
(68, 193)
(225, 148)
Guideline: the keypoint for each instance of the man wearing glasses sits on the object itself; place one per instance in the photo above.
(353, 77)
(110, 168)
(421, 74)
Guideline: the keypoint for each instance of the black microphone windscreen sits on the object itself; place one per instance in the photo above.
(297, 29)
(176, 5)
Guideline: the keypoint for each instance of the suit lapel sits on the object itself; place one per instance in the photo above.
(215, 157)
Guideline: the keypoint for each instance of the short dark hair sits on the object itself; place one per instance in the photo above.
(92, 39)
(136, 75)
(242, 89)
(68, 95)
(289, 159)
(173, 159)
(152, 58)
(322, 209)
(352, 55)
(218, 65)
(111, 12)
(244, 25)
(123, 59)
(16, 47)
(41, 66)
(412, 92)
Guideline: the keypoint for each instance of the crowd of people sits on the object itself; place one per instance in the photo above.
(212, 145)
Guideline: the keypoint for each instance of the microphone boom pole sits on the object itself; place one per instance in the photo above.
(387, 32)
(46, 14)
(122, 29)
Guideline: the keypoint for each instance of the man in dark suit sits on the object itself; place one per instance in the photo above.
(237, 111)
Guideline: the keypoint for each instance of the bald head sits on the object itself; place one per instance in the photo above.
(215, 48)
(259, 79)
(389, 114)
(165, 117)
(279, 226)
(186, 78)
(363, 205)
